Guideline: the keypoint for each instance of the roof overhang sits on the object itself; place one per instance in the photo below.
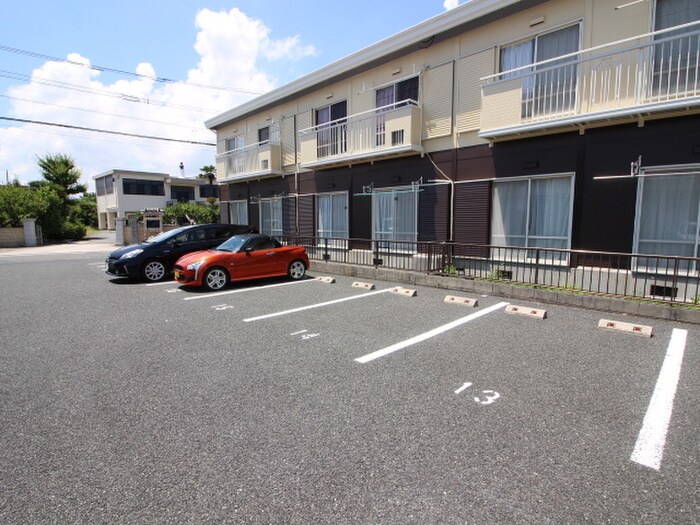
(445, 25)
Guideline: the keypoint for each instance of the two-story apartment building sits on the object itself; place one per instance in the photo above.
(124, 192)
(569, 124)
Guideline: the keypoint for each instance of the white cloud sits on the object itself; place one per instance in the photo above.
(231, 47)
(450, 4)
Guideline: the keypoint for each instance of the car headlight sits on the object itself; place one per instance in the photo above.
(132, 253)
(195, 265)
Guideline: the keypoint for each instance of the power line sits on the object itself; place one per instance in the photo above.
(151, 137)
(73, 108)
(122, 72)
(101, 92)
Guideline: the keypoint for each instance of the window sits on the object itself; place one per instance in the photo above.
(271, 216)
(209, 190)
(403, 91)
(235, 162)
(238, 212)
(385, 98)
(533, 212)
(331, 134)
(264, 135)
(668, 207)
(332, 215)
(554, 89)
(100, 186)
(395, 217)
(143, 187)
(676, 57)
(182, 193)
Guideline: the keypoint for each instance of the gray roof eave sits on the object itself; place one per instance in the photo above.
(391, 46)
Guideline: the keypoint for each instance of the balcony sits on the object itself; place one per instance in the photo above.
(655, 74)
(389, 131)
(256, 160)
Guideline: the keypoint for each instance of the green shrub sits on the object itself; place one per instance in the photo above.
(183, 213)
(73, 230)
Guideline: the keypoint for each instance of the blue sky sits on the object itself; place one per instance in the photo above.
(246, 45)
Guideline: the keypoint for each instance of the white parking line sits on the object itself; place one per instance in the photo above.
(427, 335)
(162, 283)
(217, 294)
(318, 305)
(649, 449)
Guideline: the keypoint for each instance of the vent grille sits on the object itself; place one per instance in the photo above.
(397, 137)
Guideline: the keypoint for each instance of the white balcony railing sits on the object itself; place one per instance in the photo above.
(658, 71)
(387, 130)
(258, 159)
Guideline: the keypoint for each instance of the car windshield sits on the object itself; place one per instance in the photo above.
(165, 235)
(233, 245)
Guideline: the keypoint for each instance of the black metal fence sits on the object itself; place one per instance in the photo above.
(670, 279)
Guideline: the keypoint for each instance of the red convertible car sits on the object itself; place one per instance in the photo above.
(242, 257)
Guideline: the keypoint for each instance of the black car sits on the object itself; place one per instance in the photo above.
(153, 259)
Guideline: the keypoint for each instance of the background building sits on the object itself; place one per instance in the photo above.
(123, 192)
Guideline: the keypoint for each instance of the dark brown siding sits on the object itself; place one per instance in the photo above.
(254, 215)
(433, 213)
(306, 215)
(289, 215)
(472, 212)
(223, 213)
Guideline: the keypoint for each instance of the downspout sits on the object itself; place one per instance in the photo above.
(452, 196)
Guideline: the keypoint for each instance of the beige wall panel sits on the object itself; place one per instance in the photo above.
(288, 141)
(437, 101)
(468, 71)
(502, 105)
(610, 25)
(517, 27)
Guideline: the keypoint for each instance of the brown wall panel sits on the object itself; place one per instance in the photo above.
(472, 212)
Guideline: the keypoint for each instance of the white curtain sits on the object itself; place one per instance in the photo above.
(332, 215)
(509, 215)
(238, 212)
(550, 204)
(669, 215)
(395, 215)
(271, 216)
(532, 213)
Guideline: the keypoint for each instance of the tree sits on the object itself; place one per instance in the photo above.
(60, 170)
(208, 172)
(62, 177)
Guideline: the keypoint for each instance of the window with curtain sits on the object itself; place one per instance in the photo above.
(668, 207)
(332, 215)
(271, 216)
(554, 89)
(676, 57)
(235, 162)
(331, 134)
(238, 212)
(533, 212)
(387, 96)
(395, 218)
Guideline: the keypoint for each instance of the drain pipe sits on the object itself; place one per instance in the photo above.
(452, 195)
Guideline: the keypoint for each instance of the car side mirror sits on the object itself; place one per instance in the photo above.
(248, 249)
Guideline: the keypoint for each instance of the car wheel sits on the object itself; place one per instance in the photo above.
(154, 271)
(215, 279)
(297, 270)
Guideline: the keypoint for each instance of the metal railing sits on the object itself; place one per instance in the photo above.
(255, 158)
(645, 277)
(658, 68)
(361, 133)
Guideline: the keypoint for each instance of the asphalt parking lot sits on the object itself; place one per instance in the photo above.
(309, 402)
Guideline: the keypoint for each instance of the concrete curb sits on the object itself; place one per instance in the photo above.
(590, 302)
